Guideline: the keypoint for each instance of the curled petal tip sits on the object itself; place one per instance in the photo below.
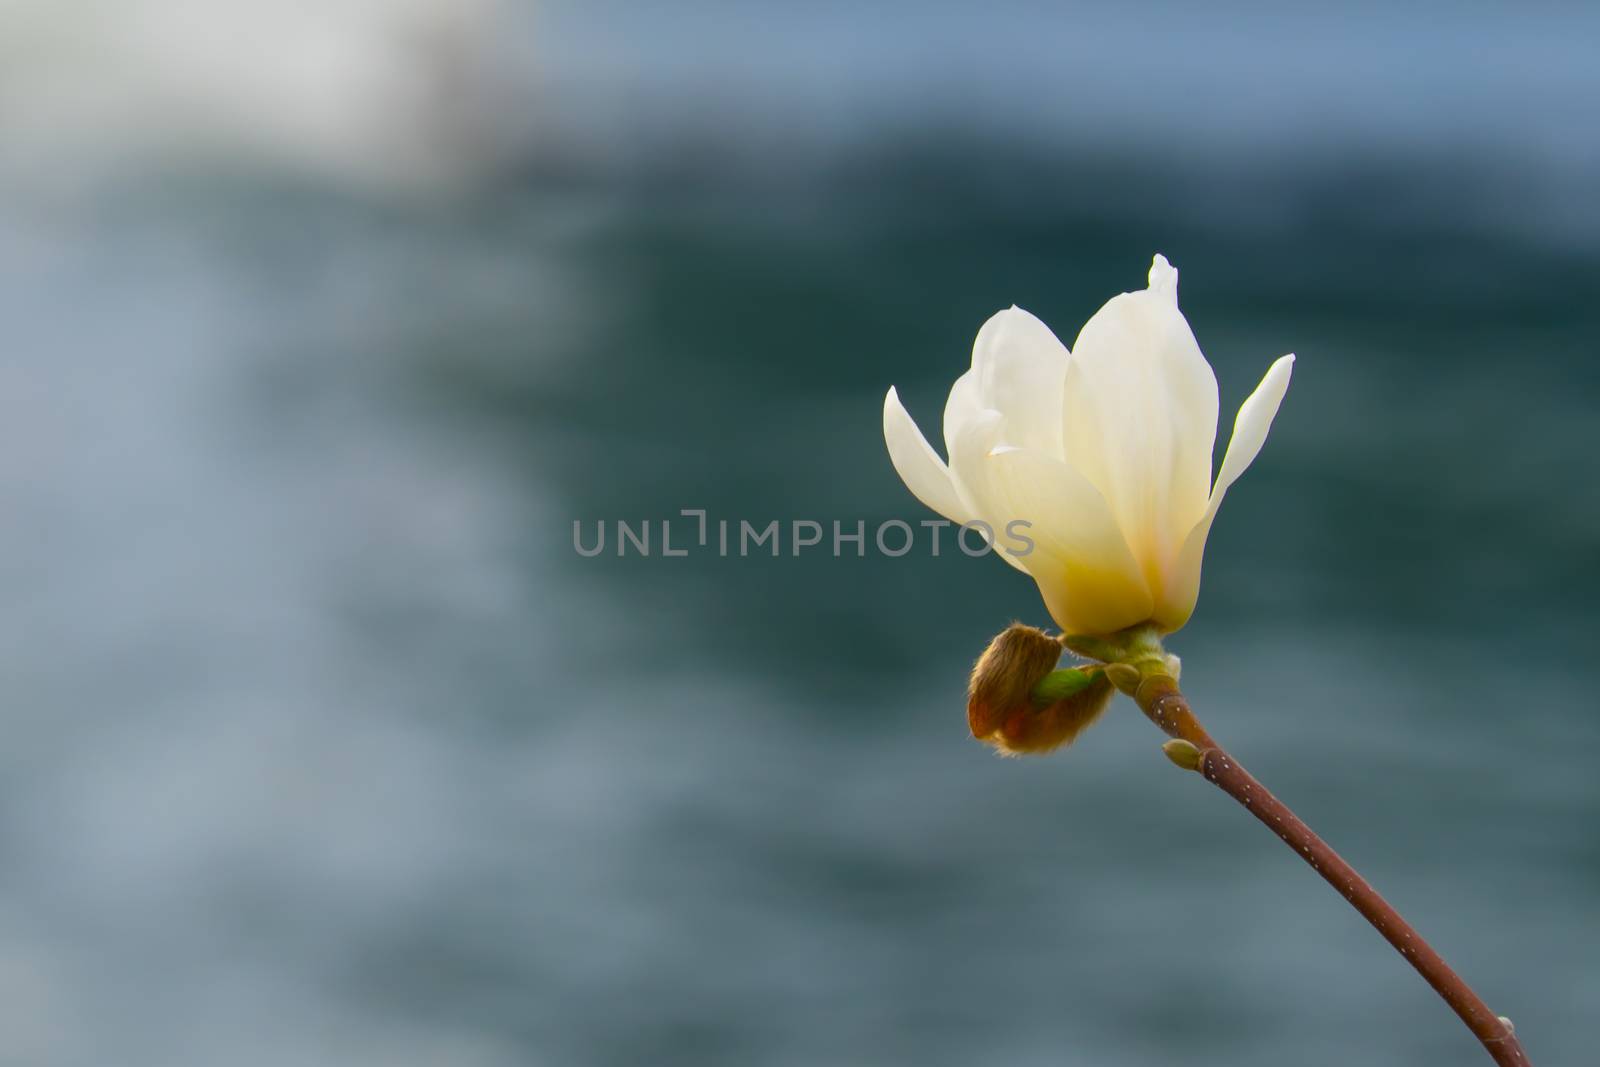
(892, 407)
(1164, 277)
(1281, 371)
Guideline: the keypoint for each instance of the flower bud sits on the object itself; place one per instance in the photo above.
(1002, 709)
(1184, 754)
(1124, 676)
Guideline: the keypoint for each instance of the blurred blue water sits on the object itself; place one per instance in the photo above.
(323, 746)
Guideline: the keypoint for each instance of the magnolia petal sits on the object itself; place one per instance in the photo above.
(1090, 581)
(1182, 587)
(972, 475)
(1140, 417)
(1020, 366)
(1250, 427)
(960, 408)
(918, 465)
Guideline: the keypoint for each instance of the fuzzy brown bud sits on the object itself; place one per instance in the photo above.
(1001, 708)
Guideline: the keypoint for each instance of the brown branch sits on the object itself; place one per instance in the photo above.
(1160, 699)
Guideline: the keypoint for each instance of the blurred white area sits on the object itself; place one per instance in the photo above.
(371, 91)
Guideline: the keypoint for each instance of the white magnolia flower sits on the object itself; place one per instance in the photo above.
(1105, 451)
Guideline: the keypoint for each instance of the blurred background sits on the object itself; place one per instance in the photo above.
(323, 321)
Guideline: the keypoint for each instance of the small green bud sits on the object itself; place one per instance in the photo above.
(1183, 753)
(1124, 676)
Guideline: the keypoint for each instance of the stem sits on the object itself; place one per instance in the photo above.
(1159, 697)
